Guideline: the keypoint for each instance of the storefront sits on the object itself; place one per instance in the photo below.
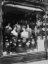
(23, 31)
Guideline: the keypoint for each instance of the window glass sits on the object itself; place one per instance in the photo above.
(23, 31)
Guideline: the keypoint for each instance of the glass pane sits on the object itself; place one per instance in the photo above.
(47, 27)
(23, 32)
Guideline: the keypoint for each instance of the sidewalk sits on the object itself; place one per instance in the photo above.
(36, 62)
(39, 62)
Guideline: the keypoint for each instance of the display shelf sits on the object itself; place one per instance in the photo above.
(25, 57)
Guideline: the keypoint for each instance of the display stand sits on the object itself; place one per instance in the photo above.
(41, 44)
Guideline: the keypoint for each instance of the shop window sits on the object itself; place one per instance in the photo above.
(23, 31)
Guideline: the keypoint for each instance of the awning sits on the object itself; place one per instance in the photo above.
(25, 7)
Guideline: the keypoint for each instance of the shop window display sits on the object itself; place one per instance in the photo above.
(22, 32)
